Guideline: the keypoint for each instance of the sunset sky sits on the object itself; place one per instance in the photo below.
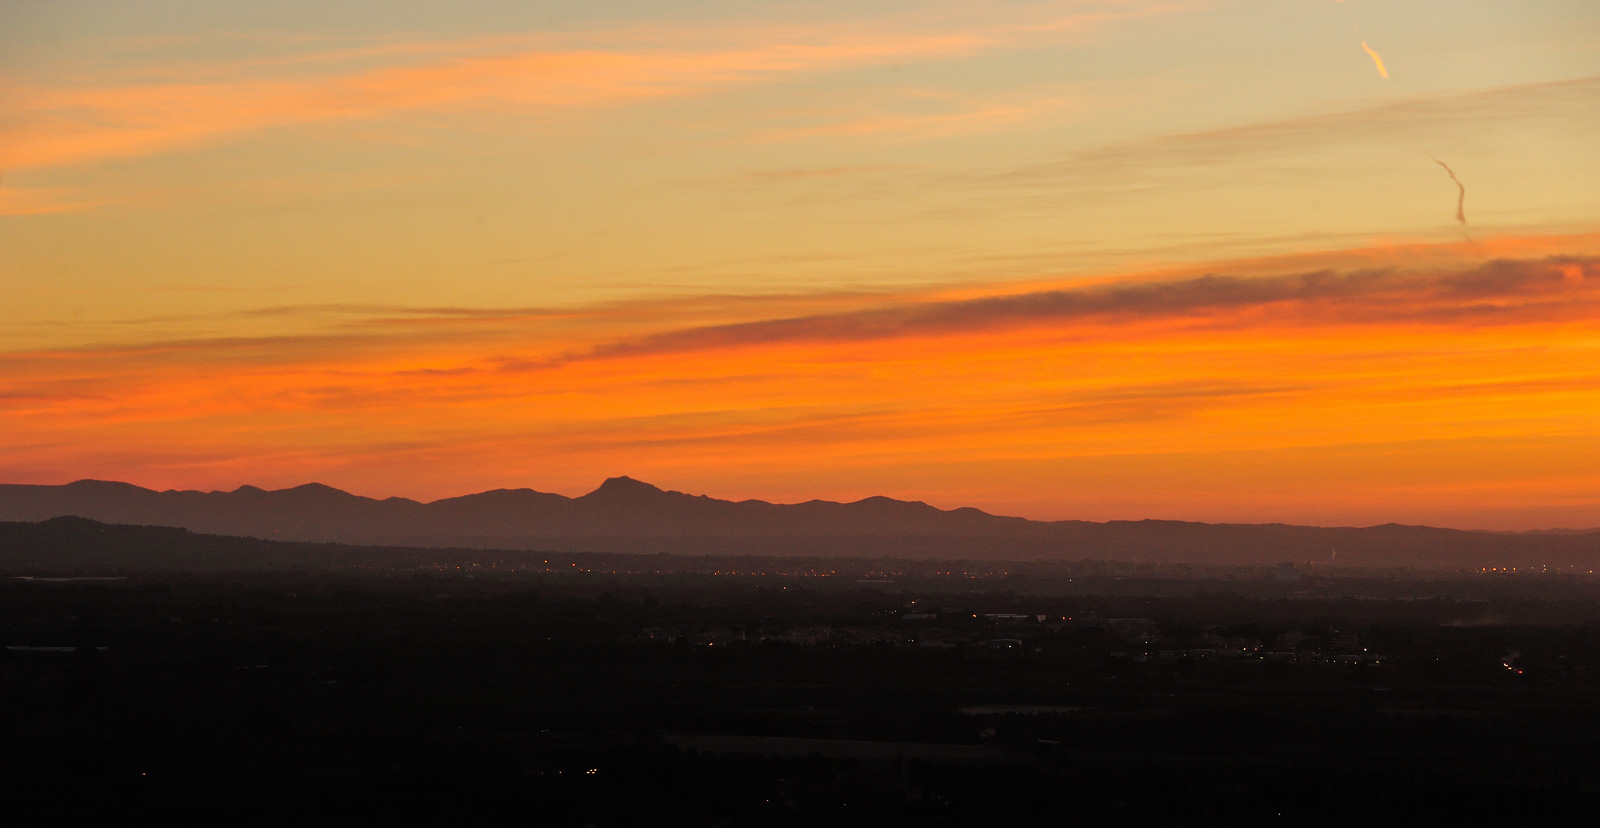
(1119, 259)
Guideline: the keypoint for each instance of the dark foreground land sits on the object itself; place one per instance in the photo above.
(608, 690)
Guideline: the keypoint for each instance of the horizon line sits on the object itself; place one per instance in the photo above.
(629, 478)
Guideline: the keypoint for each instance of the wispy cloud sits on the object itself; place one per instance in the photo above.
(1277, 151)
(1371, 349)
(1378, 286)
(1416, 118)
(65, 126)
(1498, 291)
(88, 121)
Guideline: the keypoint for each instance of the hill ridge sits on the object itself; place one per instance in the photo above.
(624, 514)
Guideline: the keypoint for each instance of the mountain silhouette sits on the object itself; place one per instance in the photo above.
(628, 515)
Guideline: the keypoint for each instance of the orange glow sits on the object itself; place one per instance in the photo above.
(1384, 374)
(1142, 258)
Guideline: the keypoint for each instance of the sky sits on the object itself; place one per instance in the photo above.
(1306, 261)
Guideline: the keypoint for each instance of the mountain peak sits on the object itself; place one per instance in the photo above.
(305, 494)
(624, 486)
(90, 484)
(318, 488)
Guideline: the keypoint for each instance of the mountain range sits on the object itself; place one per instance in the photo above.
(626, 515)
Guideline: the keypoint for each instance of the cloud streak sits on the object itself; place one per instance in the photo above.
(67, 126)
(1278, 151)
(1496, 292)
(49, 126)
(1417, 116)
(1356, 288)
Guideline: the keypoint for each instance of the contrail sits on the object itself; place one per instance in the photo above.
(1375, 59)
(1461, 197)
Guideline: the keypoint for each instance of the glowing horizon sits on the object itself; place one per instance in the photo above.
(1118, 259)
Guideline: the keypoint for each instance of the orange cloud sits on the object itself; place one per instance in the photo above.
(59, 125)
(66, 126)
(1368, 362)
